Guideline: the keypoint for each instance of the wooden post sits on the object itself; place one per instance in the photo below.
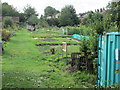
(64, 48)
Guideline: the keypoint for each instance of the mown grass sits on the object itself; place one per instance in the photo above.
(26, 66)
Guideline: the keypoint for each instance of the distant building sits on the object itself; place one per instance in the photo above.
(83, 15)
(49, 17)
(101, 10)
(57, 15)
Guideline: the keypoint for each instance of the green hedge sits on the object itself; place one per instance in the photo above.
(79, 30)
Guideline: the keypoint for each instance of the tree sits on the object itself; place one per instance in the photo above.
(29, 11)
(95, 20)
(33, 19)
(43, 22)
(50, 11)
(113, 9)
(22, 17)
(53, 22)
(106, 20)
(8, 10)
(68, 16)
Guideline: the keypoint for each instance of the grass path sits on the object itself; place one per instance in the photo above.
(24, 66)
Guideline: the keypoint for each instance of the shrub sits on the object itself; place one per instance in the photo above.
(73, 30)
(89, 47)
(15, 27)
(7, 22)
(78, 30)
(6, 35)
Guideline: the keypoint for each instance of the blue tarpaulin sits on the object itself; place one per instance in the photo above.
(80, 37)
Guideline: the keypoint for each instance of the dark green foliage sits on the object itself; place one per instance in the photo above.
(114, 14)
(68, 16)
(104, 20)
(53, 22)
(29, 11)
(7, 22)
(29, 15)
(8, 10)
(78, 30)
(33, 20)
(43, 22)
(95, 21)
(74, 30)
(89, 49)
(50, 11)
(22, 17)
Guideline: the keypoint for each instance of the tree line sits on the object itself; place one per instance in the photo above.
(101, 21)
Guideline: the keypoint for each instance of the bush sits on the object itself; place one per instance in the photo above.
(15, 27)
(53, 22)
(6, 35)
(89, 48)
(78, 30)
(7, 22)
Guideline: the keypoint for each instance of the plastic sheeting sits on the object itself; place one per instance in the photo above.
(80, 37)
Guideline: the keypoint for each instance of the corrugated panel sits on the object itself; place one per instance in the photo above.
(108, 59)
(117, 57)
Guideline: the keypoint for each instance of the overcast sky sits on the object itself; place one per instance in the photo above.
(80, 5)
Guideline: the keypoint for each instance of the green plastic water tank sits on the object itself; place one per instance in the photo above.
(109, 59)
